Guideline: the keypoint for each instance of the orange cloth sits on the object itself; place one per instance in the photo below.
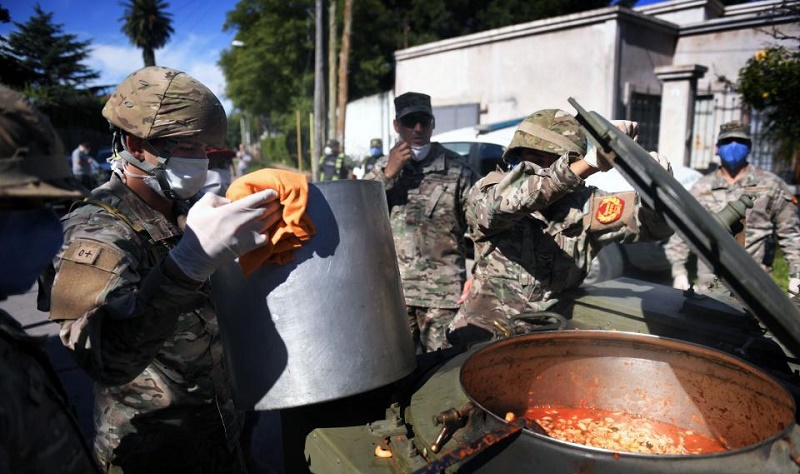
(288, 233)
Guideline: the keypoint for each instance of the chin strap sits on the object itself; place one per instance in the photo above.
(158, 171)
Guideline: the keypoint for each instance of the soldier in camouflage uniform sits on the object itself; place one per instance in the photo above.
(426, 187)
(38, 429)
(131, 289)
(537, 226)
(774, 212)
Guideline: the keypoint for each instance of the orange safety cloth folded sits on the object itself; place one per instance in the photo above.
(288, 233)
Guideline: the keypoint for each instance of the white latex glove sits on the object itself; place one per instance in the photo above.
(662, 160)
(218, 230)
(681, 282)
(794, 285)
(605, 161)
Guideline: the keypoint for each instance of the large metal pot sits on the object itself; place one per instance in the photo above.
(327, 325)
(691, 386)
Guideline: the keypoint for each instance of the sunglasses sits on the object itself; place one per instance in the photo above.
(411, 121)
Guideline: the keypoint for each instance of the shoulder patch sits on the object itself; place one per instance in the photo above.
(86, 271)
(609, 209)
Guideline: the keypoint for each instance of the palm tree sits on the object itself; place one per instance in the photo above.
(147, 25)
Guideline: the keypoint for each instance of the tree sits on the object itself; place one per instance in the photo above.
(148, 26)
(770, 82)
(41, 56)
(46, 65)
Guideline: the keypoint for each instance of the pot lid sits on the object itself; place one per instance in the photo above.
(699, 229)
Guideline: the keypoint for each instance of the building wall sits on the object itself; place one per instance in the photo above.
(368, 118)
(516, 70)
(599, 57)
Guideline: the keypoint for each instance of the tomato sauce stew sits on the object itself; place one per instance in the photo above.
(620, 431)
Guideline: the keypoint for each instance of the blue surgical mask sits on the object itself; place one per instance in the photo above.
(29, 239)
(375, 151)
(734, 154)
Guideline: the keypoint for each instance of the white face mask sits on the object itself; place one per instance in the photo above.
(419, 153)
(185, 176)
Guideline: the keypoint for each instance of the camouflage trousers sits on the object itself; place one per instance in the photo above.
(428, 326)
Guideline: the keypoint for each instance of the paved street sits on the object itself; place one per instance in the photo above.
(267, 448)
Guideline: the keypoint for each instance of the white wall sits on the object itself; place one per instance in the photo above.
(368, 118)
(516, 70)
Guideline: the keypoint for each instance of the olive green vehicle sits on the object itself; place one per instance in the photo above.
(717, 365)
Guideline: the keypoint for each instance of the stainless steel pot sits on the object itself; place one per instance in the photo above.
(327, 325)
(687, 385)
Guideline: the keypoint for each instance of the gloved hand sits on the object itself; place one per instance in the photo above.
(628, 127)
(663, 161)
(681, 282)
(597, 158)
(794, 285)
(218, 231)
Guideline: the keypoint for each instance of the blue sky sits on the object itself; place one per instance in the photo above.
(195, 46)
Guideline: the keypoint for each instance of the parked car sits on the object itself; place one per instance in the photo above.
(483, 146)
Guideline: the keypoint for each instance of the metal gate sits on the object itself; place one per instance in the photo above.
(645, 108)
(712, 108)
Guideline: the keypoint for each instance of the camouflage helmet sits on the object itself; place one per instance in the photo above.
(376, 143)
(551, 131)
(33, 164)
(159, 102)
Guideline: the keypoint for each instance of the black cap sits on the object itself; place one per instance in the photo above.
(412, 102)
(332, 143)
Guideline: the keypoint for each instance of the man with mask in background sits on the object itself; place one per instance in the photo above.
(38, 429)
(333, 163)
(774, 212)
(375, 154)
(131, 290)
(426, 188)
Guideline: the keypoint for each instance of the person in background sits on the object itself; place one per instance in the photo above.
(38, 429)
(244, 158)
(426, 189)
(220, 167)
(537, 227)
(131, 291)
(774, 212)
(83, 165)
(333, 163)
(375, 154)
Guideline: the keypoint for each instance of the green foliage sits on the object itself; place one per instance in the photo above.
(274, 69)
(780, 270)
(274, 150)
(275, 63)
(770, 82)
(148, 26)
(39, 54)
(46, 65)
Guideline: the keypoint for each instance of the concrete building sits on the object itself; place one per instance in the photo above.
(672, 66)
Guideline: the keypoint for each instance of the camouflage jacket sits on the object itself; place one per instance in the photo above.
(536, 231)
(426, 209)
(773, 213)
(38, 430)
(151, 343)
